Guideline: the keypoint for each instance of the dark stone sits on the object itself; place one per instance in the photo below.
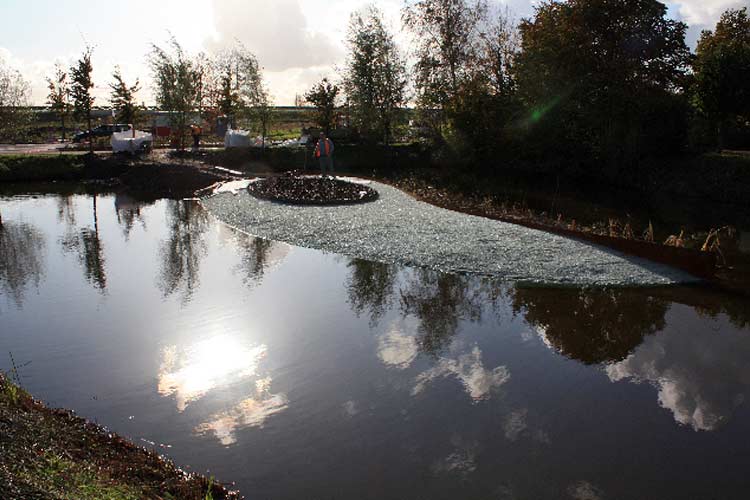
(293, 189)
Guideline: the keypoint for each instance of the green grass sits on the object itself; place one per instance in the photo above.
(64, 478)
(52, 454)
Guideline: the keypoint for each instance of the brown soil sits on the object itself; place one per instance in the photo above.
(298, 190)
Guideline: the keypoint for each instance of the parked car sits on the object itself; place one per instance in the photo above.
(101, 131)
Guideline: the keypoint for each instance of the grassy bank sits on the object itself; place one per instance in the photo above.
(29, 168)
(52, 454)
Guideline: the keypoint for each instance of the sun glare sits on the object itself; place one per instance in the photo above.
(191, 373)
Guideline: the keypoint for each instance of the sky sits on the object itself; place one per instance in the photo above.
(297, 42)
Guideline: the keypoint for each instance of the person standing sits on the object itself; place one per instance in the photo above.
(195, 131)
(324, 152)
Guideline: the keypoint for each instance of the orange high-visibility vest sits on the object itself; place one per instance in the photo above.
(328, 148)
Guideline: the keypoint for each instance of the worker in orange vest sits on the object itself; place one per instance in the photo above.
(323, 152)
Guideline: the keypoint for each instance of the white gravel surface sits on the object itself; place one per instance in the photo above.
(399, 229)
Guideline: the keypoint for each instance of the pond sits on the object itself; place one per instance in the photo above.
(303, 374)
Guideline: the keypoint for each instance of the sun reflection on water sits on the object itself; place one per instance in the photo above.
(216, 362)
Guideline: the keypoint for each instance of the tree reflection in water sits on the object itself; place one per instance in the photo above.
(87, 246)
(710, 304)
(22, 252)
(255, 257)
(128, 211)
(370, 288)
(182, 252)
(439, 301)
(591, 325)
(66, 210)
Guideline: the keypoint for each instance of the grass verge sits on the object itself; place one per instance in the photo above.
(16, 168)
(53, 454)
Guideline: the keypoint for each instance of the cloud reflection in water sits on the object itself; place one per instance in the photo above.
(701, 376)
(397, 349)
(478, 381)
(250, 412)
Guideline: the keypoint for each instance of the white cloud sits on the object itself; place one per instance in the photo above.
(297, 42)
(278, 33)
(284, 85)
(705, 12)
(36, 73)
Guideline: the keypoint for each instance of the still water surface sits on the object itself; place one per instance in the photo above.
(300, 374)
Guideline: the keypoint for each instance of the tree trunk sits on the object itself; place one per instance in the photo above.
(62, 123)
(96, 219)
(91, 139)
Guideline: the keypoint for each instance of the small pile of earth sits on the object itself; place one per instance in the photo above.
(298, 190)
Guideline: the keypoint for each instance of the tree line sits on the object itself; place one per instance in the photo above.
(228, 82)
(598, 84)
(581, 85)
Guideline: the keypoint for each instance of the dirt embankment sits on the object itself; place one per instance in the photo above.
(53, 454)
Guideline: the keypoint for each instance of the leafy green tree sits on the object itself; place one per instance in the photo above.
(486, 108)
(58, 98)
(228, 97)
(323, 96)
(248, 76)
(80, 90)
(722, 71)
(448, 34)
(177, 82)
(14, 100)
(233, 83)
(602, 80)
(122, 98)
(498, 49)
(375, 75)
